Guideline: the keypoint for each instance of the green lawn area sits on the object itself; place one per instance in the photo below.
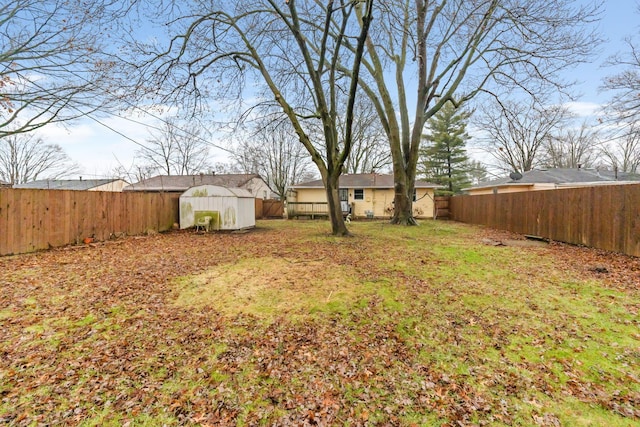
(287, 325)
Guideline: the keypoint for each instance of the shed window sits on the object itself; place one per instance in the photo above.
(358, 194)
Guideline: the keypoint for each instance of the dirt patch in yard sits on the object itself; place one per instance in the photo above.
(617, 270)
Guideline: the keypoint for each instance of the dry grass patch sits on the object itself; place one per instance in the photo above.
(269, 287)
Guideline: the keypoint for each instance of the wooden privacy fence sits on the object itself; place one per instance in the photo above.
(442, 206)
(269, 208)
(39, 219)
(605, 217)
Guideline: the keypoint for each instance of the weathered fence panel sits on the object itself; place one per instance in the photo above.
(259, 208)
(442, 207)
(272, 209)
(38, 219)
(269, 208)
(605, 217)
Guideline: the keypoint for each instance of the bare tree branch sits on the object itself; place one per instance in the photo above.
(25, 157)
(178, 149)
(54, 61)
(454, 50)
(516, 133)
(217, 48)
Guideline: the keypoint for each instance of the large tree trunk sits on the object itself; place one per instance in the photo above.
(338, 226)
(403, 200)
(405, 161)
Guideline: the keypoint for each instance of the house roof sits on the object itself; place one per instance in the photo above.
(183, 182)
(559, 176)
(65, 184)
(363, 180)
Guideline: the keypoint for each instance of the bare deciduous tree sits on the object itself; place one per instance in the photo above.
(624, 108)
(625, 84)
(571, 148)
(453, 50)
(293, 49)
(25, 157)
(179, 148)
(53, 61)
(273, 151)
(515, 133)
(370, 150)
(133, 173)
(622, 154)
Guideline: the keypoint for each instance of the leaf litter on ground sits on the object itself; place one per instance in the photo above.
(286, 325)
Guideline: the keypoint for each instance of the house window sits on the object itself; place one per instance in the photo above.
(415, 195)
(358, 194)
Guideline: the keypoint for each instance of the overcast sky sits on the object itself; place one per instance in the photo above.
(99, 147)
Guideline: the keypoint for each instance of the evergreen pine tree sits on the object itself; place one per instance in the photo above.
(444, 158)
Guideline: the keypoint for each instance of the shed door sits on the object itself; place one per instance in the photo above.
(344, 199)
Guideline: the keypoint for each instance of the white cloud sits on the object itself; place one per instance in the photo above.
(584, 109)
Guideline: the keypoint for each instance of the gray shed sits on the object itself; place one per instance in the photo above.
(225, 208)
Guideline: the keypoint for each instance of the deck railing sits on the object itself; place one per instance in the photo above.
(310, 209)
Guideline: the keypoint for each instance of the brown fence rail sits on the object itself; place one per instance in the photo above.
(604, 217)
(39, 219)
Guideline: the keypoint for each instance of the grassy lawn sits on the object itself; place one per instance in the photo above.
(286, 325)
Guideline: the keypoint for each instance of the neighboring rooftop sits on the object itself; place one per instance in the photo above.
(560, 176)
(183, 182)
(363, 180)
(67, 184)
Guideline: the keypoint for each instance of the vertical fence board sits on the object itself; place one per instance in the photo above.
(259, 206)
(7, 203)
(631, 232)
(605, 216)
(4, 219)
(38, 222)
(20, 204)
(55, 224)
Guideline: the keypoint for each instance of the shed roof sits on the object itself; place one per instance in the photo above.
(560, 176)
(363, 180)
(182, 182)
(216, 191)
(66, 184)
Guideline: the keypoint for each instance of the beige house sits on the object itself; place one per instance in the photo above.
(253, 183)
(550, 179)
(362, 195)
(76, 184)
